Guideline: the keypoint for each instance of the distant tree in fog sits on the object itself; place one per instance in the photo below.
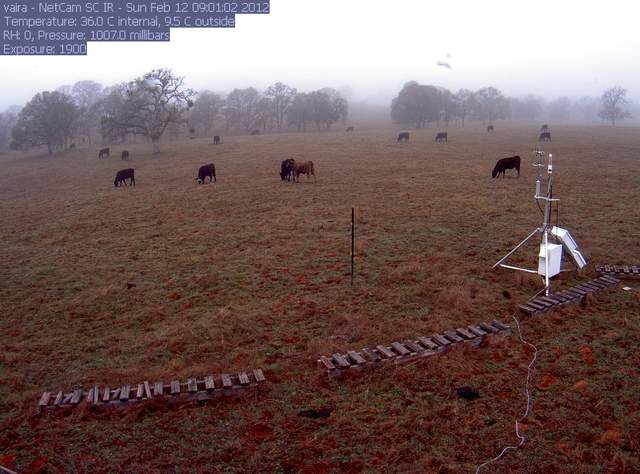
(241, 108)
(526, 108)
(49, 118)
(327, 107)
(88, 96)
(490, 105)
(147, 106)
(417, 104)
(7, 121)
(586, 109)
(206, 111)
(465, 100)
(449, 106)
(265, 116)
(612, 101)
(300, 112)
(281, 96)
(559, 108)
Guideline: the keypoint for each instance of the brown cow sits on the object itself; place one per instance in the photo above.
(442, 137)
(286, 169)
(303, 168)
(122, 176)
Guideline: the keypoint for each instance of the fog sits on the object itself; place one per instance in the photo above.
(369, 48)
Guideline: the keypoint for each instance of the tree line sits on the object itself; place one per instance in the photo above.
(158, 104)
(422, 105)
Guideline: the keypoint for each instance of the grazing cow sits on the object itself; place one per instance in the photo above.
(442, 137)
(513, 162)
(403, 136)
(216, 140)
(255, 132)
(125, 154)
(544, 128)
(204, 171)
(545, 137)
(286, 169)
(349, 129)
(104, 153)
(303, 168)
(72, 146)
(122, 176)
(490, 128)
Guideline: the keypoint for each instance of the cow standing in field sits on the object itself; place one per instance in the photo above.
(255, 132)
(286, 169)
(513, 162)
(545, 137)
(403, 136)
(104, 153)
(206, 171)
(303, 168)
(544, 128)
(349, 129)
(72, 146)
(123, 175)
(490, 128)
(216, 140)
(442, 137)
(125, 155)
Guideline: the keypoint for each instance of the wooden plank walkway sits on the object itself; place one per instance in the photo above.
(570, 296)
(424, 346)
(623, 272)
(174, 391)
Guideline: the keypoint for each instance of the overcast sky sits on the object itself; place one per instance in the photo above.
(549, 48)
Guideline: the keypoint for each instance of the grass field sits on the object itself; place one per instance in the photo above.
(253, 272)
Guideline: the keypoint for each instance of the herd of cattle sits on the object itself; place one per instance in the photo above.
(290, 169)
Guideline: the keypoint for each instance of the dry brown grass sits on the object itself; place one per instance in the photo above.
(252, 272)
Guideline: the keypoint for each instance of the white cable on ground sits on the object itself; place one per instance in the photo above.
(527, 393)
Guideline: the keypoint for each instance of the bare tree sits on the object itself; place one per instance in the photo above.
(88, 95)
(282, 96)
(465, 100)
(206, 110)
(559, 108)
(7, 121)
(300, 113)
(148, 105)
(241, 108)
(612, 101)
(491, 105)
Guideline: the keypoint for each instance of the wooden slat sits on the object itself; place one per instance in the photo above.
(107, 395)
(536, 305)
(341, 361)
(500, 325)
(413, 346)
(463, 332)
(140, 391)
(147, 390)
(399, 348)
(453, 336)
(530, 310)
(612, 280)
(44, 400)
(428, 343)
(259, 376)
(67, 398)
(542, 302)
(356, 357)
(477, 331)
(125, 391)
(158, 389)
(77, 395)
(226, 381)
(327, 363)
(96, 395)
(175, 387)
(192, 387)
(209, 384)
(371, 355)
(384, 352)
(243, 378)
(635, 269)
(489, 328)
(440, 340)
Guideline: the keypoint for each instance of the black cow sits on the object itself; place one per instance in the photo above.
(204, 171)
(216, 140)
(122, 176)
(349, 129)
(545, 137)
(403, 136)
(72, 146)
(286, 169)
(125, 155)
(104, 153)
(442, 137)
(544, 128)
(255, 132)
(513, 162)
(490, 128)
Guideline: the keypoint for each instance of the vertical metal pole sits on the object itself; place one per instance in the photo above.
(353, 240)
